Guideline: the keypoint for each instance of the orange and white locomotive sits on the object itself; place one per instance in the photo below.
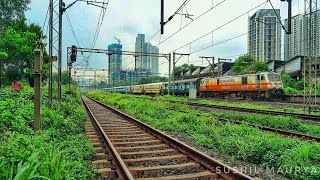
(264, 84)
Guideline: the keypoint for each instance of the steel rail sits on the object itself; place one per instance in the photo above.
(265, 128)
(256, 111)
(122, 169)
(207, 161)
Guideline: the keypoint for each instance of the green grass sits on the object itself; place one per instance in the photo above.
(241, 104)
(237, 142)
(60, 151)
(278, 122)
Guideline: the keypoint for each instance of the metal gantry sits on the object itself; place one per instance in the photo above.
(128, 53)
(93, 77)
(311, 62)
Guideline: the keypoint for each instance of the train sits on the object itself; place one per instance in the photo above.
(255, 85)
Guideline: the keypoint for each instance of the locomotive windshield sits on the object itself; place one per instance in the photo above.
(274, 77)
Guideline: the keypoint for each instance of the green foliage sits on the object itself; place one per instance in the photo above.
(291, 85)
(290, 90)
(60, 151)
(64, 77)
(19, 46)
(153, 79)
(239, 142)
(258, 66)
(246, 63)
(18, 41)
(11, 10)
(280, 122)
(183, 69)
(3, 55)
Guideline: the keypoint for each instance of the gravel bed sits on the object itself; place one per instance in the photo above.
(249, 168)
(170, 172)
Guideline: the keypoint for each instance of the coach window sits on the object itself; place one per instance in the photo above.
(218, 81)
(244, 80)
(262, 78)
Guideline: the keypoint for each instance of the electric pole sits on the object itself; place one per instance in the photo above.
(310, 61)
(61, 6)
(211, 63)
(57, 8)
(53, 40)
(174, 65)
(38, 60)
(220, 69)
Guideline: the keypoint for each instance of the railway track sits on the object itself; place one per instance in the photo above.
(257, 101)
(133, 150)
(265, 128)
(256, 111)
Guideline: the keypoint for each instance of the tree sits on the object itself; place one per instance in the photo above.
(3, 56)
(19, 47)
(258, 66)
(10, 10)
(64, 77)
(102, 84)
(246, 63)
(183, 69)
(153, 79)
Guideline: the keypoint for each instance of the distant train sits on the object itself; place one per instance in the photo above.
(258, 85)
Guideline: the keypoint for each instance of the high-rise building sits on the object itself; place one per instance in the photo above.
(296, 43)
(141, 48)
(264, 35)
(146, 63)
(115, 59)
(152, 61)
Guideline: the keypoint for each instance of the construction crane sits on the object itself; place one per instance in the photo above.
(117, 39)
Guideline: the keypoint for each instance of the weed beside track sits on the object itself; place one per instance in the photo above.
(239, 142)
(60, 151)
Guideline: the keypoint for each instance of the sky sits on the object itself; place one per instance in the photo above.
(124, 19)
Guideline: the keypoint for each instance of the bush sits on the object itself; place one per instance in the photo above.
(60, 151)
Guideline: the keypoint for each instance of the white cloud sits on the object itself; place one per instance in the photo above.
(124, 19)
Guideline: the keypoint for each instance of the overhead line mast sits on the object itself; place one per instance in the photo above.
(57, 8)
(311, 62)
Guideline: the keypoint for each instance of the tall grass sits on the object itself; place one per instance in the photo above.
(60, 151)
(236, 142)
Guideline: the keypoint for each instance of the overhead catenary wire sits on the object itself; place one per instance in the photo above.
(99, 25)
(213, 7)
(96, 35)
(224, 41)
(72, 29)
(223, 25)
(176, 12)
(278, 17)
(45, 20)
(301, 51)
